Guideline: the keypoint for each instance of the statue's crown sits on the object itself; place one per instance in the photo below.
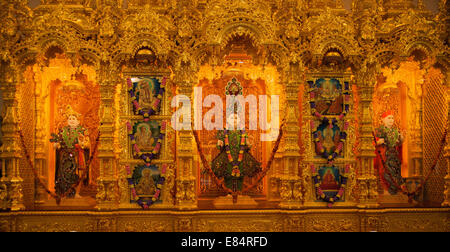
(71, 112)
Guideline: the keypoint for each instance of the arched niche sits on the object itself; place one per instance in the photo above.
(413, 89)
(240, 61)
(59, 82)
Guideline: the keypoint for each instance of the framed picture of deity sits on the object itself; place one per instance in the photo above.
(146, 139)
(146, 94)
(328, 139)
(329, 183)
(145, 185)
(329, 96)
(329, 100)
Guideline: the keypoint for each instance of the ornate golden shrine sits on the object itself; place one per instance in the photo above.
(393, 55)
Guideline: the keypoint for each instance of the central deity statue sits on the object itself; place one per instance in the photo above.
(234, 162)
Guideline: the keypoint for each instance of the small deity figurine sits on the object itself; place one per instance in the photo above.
(389, 143)
(72, 151)
(234, 162)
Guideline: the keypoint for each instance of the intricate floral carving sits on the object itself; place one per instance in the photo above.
(332, 225)
(145, 226)
(239, 225)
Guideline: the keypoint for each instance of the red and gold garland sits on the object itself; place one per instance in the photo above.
(236, 172)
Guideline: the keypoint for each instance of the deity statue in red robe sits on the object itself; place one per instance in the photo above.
(389, 144)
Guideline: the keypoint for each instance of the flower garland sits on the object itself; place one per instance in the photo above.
(155, 107)
(145, 204)
(319, 191)
(235, 172)
(147, 156)
(325, 120)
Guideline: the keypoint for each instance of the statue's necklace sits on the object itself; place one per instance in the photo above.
(392, 136)
(70, 136)
(235, 172)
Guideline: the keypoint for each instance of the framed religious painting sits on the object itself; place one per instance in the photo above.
(329, 100)
(145, 185)
(329, 183)
(328, 94)
(146, 139)
(328, 139)
(146, 94)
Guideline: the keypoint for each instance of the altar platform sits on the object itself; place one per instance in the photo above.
(265, 220)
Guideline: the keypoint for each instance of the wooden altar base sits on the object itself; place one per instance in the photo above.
(226, 202)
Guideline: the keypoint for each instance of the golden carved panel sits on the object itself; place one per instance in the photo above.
(351, 220)
(143, 224)
(229, 224)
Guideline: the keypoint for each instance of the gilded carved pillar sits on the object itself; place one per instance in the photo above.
(278, 188)
(366, 180)
(185, 181)
(14, 15)
(40, 152)
(290, 183)
(11, 195)
(415, 173)
(107, 191)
